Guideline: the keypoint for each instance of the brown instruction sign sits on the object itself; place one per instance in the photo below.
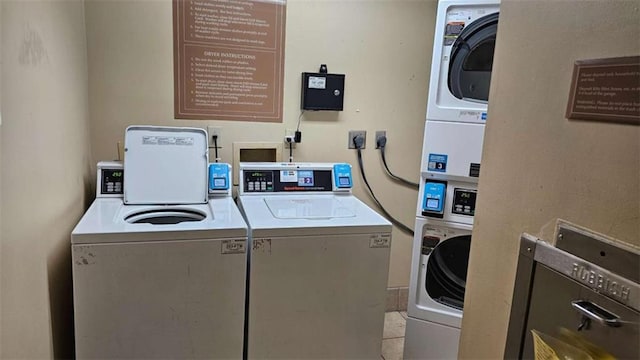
(606, 90)
(229, 59)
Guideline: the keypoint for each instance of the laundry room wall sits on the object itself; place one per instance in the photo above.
(383, 47)
(44, 172)
(538, 166)
(0, 179)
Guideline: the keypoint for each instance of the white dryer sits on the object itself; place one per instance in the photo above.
(465, 37)
(462, 60)
(159, 266)
(319, 263)
(439, 269)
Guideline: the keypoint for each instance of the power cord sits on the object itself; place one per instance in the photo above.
(290, 142)
(299, 118)
(215, 147)
(358, 141)
(298, 134)
(382, 143)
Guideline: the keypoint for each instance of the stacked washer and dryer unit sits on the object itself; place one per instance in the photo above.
(454, 130)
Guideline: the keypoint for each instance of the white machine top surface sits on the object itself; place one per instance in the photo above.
(286, 207)
(165, 165)
(302, 213)
(105, 222)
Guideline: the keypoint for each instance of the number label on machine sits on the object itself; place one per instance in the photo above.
(380, 241)
(238, 246)
(437, 162)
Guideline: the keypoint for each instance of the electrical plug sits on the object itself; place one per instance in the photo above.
(358, 141)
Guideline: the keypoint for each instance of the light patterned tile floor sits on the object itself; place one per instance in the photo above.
(393, 335)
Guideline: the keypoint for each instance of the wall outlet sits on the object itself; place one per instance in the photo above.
(354, 133)
(379, 134)
(289, 134)
(214, 130)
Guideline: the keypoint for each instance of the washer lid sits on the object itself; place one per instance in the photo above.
(165, 165)
(310, 208)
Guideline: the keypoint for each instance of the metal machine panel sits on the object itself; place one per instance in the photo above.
(458, 203)
(159, 299)
(429, 340)
(570, 288)
(318, 296)
(165, 165)
(271, 178)
(110, 177)
(452, 151)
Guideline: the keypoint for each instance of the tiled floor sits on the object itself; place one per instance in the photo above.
(393, 335)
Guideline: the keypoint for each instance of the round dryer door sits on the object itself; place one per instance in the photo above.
(471, 59)
(446, 275)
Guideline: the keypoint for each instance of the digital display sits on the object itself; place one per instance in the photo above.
(258, 181)
(464, 202)
(305, 178)
(343, 180)
(112, 181)
(433, 203)
(220, 182)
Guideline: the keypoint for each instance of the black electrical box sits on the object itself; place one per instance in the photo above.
(322, 91)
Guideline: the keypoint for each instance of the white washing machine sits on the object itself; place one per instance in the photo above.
(462, 60)
(319, 263)
(439, 269)
(159, 264)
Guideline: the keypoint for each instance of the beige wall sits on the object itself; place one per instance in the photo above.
(383, 47)
(537, 166)
(0, 179)
(45, 166)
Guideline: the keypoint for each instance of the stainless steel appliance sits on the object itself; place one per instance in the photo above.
(586, 283)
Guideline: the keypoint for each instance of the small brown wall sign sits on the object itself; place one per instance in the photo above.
(606, 90)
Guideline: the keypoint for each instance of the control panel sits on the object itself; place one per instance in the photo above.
(110, 179)
(464, 202)
(307, 177)
(219, 178)
(434, 197)
(258, 181)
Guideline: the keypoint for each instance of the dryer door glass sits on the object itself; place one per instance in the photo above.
(446, 276)
(472, 59)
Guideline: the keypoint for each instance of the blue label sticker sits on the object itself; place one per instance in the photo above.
(437, 162)
(484, 116)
